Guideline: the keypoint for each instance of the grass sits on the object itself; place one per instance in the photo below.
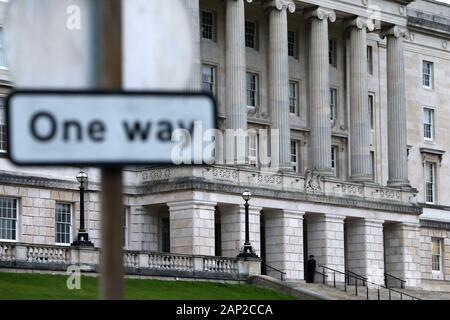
(27, 286)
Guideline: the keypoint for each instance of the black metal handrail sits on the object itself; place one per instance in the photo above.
(386, 281)
(349, 274)
(282, 273)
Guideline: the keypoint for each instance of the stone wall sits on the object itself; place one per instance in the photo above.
(425, 253)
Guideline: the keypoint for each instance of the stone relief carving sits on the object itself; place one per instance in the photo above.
(312, 181)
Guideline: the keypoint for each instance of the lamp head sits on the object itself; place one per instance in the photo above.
(246, 195)
(82, 177)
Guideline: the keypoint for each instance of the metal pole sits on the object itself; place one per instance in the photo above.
(247, 227)
(109, 16)
(82, 208)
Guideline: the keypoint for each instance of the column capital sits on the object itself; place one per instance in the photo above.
(280, 5)
(321, 14)
(394, 31)
(360, 23)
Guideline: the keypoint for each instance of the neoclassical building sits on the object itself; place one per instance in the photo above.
(359, 91)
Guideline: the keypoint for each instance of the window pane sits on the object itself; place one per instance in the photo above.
(250, 34)
(63, 220)
(209, 79)
(252, 90)
(208, 25)
(8, 218)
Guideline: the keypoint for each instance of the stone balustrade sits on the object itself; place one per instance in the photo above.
(311, 183)
(59, 258)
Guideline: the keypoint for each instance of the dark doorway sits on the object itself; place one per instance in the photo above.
(165, 235)
(217, 233)
(305, 246)
(262, 224)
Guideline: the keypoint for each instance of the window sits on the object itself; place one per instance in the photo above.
(427, 74)
(2, 50)
(252, 90)
(294, 156)
(436, 255)
(208, 25)
(334, 155)
(209, 79)
(63, 220)
(292, 44)
(253, 150)
(125, 219)
(3, 128)
(251, 35)
(370, 59)
(371, 112)
(430, 182)
(333, 103)
(332, 56)
(8, 219)
(293, 97)
(428, 124)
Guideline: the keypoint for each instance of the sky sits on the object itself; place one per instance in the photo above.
(446, 1)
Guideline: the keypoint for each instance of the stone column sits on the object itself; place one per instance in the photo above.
(279, 79)
(232, 219)
(359, 116)
(192, 227)
(402, 246)
(325, 234)
(365, 254)
(319, 89)
(284, 243)
(397, 136)
(235, 61)
(193, 7)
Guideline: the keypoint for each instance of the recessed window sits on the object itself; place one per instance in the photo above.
(292, 44)
(334, 159)
(209, 25)
(63, 223)
(253, 149)
(436, 255)
(209, 79)
(428, 74)
(428, 124)
(371, 112)
(251, 39)
(430, 182)
(332, 54)
(333, 104)
(8, 219)
(125, 224)
(252, 90)
(294, 156)
(370, 59)
(372, 163)
(3, 128)
(293, 97)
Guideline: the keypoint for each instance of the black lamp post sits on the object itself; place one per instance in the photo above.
(247, 251)
(83, 236)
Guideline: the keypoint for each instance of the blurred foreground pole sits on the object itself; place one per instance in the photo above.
(109, 17)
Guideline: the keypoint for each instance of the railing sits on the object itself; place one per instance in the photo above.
(281, 273)
(311, 183)
(349, 274)
(220, 264)
(169, 261)
(388, 277)
(47, 254)
(6, 252)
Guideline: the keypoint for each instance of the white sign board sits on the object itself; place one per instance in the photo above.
(52, 44)
(100, 128)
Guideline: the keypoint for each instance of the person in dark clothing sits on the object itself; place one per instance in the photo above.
(310, 269)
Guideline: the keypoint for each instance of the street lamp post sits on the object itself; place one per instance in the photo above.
(247, 251)
(83, 236)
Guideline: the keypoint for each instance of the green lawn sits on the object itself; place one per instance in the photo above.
(18, 286)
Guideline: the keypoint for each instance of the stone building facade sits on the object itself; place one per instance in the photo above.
(359, 91)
